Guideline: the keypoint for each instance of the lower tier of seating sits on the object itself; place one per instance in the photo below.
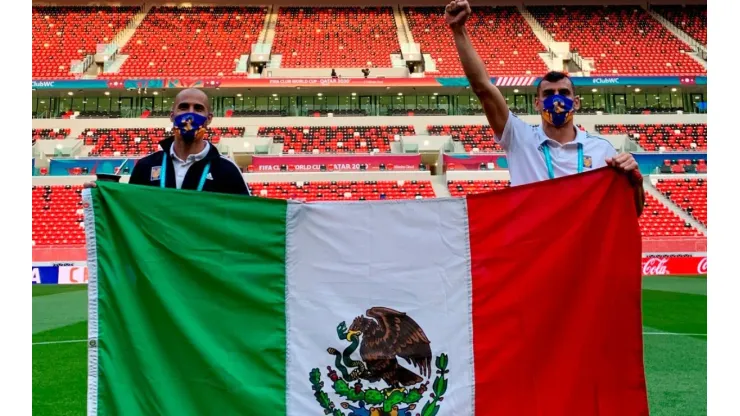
(344, 190)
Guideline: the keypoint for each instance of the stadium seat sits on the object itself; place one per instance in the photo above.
(653, 137)
(692, 19)
(48, 134)
(470, 136)
(657, 220)
(62, 34)
(140, 141)
(191, 42)
(335, 37)
(56, 215)
(336, 139)
(500, 35)
(460, 188)
(690, 194)
(344, 190)
(622, 40)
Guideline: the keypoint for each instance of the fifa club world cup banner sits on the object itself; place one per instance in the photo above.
(382, 308)
(666, 266)
(59, 273)
(474, 161)
(335, 163)
(239, 82)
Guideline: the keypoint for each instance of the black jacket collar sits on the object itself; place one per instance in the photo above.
(167, 143)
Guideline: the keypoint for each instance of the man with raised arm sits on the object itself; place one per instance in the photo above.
(556, 148)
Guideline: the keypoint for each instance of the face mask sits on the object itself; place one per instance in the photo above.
(557, 110)
(190, 126)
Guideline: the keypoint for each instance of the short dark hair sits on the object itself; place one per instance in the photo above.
(555, 76)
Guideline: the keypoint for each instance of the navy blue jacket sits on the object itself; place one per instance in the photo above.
(226, 176)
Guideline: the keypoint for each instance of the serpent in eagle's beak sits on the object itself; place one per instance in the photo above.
(350, 333)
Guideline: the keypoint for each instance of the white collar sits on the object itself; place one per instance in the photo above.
(580, 135)
(191, 158)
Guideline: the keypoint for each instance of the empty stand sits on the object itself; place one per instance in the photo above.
(48, 134)
(620, 39)
(460, 188)
(500, 35)
(692, 19)
(652, 137)
(140, 141)
(336, 139)
(690, 194)
(191, 42)
(471, 136)
(657, 220)
(62, 34)
(56, 215)
(334, 37)
(344, 190)
(684, 166)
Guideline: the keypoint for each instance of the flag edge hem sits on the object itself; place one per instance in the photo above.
(92, 303)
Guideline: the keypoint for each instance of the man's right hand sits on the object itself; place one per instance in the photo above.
(457, 13)
(88, 185)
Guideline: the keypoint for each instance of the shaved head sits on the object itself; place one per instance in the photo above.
(192, 96)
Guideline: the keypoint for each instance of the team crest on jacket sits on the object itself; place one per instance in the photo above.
(377, 384)
(156, 173)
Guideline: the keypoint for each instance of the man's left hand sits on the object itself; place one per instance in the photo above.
(623, 161)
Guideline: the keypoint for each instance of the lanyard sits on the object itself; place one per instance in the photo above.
(163, 175)
(548, 159)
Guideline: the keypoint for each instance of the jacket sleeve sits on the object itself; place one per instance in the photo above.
(236, 183)
(139, 174)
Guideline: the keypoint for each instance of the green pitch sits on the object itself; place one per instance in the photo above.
(675, 327)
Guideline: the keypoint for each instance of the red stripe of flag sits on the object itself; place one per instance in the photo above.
(557, 327)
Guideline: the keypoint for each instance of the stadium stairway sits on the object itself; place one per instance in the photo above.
(650, 189)
(701, 49)
(542, 34)
(268, 32)
(126, 34)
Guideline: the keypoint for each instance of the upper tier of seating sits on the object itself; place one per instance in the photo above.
(48, 134)
(56, 215)
(336, 139)
(62, 34)
(335, 37)
(460, 188)
(344, 190)
(140, 141)
(471, 136)
(621, 39)
(653, 137)
(692, 19)
(191, 42)
(500, 35)
(690, 194)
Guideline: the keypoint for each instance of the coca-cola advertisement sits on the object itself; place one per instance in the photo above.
(667, 266)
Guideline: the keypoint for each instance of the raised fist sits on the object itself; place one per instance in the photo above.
(457, 13)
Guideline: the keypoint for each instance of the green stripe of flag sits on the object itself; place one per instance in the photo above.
(185, 332)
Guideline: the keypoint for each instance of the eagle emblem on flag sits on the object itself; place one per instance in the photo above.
(382, 335)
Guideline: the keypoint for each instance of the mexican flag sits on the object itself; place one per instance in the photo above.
(519, 302)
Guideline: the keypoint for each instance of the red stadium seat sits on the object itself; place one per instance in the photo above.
(690, 194)
(344, 190)
(335, 37)
(692, 19)
(191, 42)
(62, 34)
(622, 40)
(336, 139)
(501, 36)
(652, 137)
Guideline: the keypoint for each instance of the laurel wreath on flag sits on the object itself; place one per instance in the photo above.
(377, 397)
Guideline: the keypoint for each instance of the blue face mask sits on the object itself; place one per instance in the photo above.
(190, 126)
(557, 110)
